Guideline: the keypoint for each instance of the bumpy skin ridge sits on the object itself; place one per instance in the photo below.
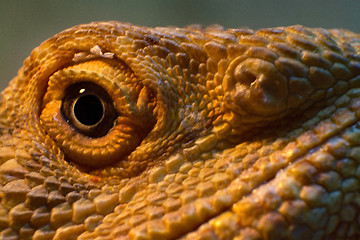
(221, 134)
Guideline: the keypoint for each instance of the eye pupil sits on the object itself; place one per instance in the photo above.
(88, 110)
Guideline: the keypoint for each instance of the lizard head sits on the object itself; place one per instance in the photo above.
(113, 131)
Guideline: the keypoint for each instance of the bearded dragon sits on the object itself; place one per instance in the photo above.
(116, 131)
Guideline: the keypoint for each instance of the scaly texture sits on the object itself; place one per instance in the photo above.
(191, 133)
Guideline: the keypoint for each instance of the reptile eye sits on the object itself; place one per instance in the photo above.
(98, 113)
(89, 109)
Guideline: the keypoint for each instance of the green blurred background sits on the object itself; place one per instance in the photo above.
(25, 24)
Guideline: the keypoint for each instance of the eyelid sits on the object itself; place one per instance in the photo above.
(63, 78)
(110, 79)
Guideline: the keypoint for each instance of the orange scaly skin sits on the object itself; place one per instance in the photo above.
(212, 134)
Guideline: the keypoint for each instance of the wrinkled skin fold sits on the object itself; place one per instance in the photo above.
(193, 133)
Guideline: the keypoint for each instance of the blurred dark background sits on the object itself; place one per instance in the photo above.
(25, 24)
